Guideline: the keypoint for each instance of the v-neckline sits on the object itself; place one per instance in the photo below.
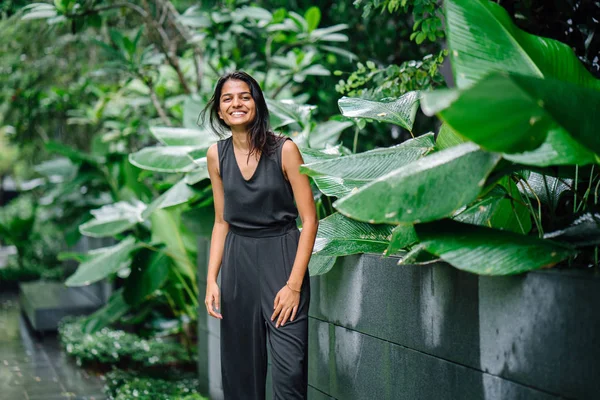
(240, 170)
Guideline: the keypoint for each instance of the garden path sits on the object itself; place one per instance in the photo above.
(33, 367)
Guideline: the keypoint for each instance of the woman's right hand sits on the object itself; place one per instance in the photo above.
(212, 300)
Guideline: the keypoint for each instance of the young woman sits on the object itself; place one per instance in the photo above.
(256, 245)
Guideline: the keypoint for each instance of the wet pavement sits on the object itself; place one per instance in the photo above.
(33, 367)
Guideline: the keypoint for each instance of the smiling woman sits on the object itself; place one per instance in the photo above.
(263, 258)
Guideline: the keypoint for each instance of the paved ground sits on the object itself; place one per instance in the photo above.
(35, 368)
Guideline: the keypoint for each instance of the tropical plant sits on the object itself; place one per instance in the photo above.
(512, 161)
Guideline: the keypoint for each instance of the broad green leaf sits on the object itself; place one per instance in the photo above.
(340, 236)
(179, 193)
(287, 112)
(310, 155)
(115, 308)
(487, 251)
(313, 17)
(104, 262)
(548, 189)
(167, 229)
(183, 136)
(192, 107)
(483, 39)
(258, 13)
(39, 11)
(447, 138)
(343, 175)
(401, 111)
(320, 265)
(199, 221)
(513, 113)
(430, 188)
(164, 159)
(584, 231)
(559, 148)
(402, 237)
(498, 211)
(58, 167)
(327, 133)
(149, 271)
(112, 219)
(197, 175)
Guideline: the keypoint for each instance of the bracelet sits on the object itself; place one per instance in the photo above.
(292, 289)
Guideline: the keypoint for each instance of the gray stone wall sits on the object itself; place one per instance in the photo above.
(383, 331)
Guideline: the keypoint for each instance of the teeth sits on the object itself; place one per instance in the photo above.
(238, 113)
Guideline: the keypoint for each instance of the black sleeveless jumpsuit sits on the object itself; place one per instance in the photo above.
(259, 253)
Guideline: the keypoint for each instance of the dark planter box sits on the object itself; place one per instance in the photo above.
(383, 331)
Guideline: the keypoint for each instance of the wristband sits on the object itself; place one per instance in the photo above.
(292, 289)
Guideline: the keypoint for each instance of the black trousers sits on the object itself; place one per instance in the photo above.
(255, 266)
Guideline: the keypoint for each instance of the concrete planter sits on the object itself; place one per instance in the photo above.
(383, 331)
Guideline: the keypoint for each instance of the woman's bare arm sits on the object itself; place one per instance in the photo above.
(219, 232)
(287, 300)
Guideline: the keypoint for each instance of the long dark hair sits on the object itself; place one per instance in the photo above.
(261, 139)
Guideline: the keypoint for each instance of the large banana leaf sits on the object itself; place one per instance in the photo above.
(548, 189)
(430, 188)
(104, 262)
(327, 133)
(340, 236)
(168, 230)
(183, 137)
(179, 193)
(513, 113)
(483, 39)
(285, 112)
(340, 176)
(149, 271)
(164, 159)
(488, 251)
(320, 265)
(584, 231)
(112, 219)
(401, 111)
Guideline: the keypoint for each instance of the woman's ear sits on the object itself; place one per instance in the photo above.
(220, 115)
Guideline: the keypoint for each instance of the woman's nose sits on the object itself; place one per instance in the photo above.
(236, 102)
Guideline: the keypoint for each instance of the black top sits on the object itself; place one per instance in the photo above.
(265, 200)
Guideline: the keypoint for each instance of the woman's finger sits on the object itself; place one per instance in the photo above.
(276, 312)
(294, 311)
(286, 316)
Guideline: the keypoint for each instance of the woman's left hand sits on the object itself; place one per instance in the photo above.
(285, 306)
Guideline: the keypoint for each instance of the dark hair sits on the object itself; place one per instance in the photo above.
(261, 138)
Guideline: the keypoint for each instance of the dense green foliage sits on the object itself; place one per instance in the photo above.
(126, 385)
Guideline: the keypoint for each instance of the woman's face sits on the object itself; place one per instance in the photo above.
(236, 105)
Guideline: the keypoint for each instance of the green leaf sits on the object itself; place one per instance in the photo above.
(340, 236)
(167, 229)
(320, 265)
(183, 136)
(287, 112)
(149, 271)
(112, 219)
(402, 237)
(61, 166)
(327, 133)
(314, 155)
(104, 262)
(258, 13)
(72, 153)
(197, 175)
(499, 211)
(487, 251)
(584, 231)
(401, 111)
(313, 17)
(192, 107)
(559, 148)
(200, 220)
(513, 114)
(178, 194)
(110, 313)
(447, 138)
(483, 39)
(340, 176)
(430, 188)
(164, 159)
(39, 11)
(548, 189)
